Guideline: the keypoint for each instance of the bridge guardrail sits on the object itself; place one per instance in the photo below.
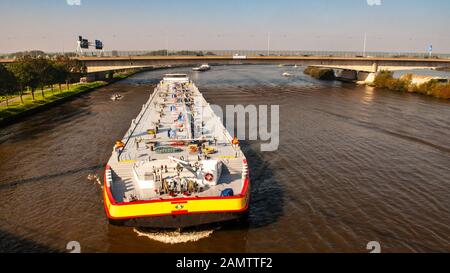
(254, 53)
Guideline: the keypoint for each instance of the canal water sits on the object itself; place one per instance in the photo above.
(354, 165)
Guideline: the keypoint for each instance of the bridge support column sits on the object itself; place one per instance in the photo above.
(348, 75)
(110, 75)
(365, 77)
(375, 67)
(98, 76)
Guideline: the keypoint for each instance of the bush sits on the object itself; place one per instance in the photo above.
(385, 79)
(444, 91)
(435, 88)
(320, 73)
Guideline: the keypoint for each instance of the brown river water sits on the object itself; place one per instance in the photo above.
(354, 165)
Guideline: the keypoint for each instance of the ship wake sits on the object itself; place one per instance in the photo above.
(174, 237)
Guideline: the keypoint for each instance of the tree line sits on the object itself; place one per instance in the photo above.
(37, 72)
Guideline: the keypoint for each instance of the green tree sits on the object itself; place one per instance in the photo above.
(73, 69)
(24, 73)
(8, 83)
(41, 69)
(60, 74)
(50, 80)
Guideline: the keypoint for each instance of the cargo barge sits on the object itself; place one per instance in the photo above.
(177, 166)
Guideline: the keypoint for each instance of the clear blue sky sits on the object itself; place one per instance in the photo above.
(395, 25)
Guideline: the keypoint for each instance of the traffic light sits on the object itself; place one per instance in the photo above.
(84, 44)
(98, 45)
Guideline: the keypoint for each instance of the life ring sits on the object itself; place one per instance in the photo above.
(209, 177)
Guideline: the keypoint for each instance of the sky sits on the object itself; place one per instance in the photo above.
(331, 25)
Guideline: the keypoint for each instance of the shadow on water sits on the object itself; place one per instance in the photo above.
(67, 113)
(266, 203)
(10, 243)
(36, 179)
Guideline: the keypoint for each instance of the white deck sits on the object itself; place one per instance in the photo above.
(137, 158)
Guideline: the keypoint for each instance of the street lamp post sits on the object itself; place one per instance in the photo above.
(365, 44)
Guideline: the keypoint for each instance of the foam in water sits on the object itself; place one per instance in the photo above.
(175, 237)
(95, 178)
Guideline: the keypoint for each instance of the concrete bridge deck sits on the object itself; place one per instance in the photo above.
(359, 64)
(368, 64)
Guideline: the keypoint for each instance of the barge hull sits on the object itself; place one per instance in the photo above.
(180, 221)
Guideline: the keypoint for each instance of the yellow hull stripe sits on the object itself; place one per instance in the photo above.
(174, 207)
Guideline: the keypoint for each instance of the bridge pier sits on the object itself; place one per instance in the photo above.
(98, 76)
(375, 67)
(347, 75)
(366, 77)
(361, 77)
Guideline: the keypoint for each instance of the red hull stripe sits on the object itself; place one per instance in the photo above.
(115, 203)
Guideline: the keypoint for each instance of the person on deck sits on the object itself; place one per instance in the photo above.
(235, 142)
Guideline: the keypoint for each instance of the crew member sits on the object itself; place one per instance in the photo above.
(235, 142)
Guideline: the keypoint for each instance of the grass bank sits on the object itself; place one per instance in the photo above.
(17, 109)
(385, 79)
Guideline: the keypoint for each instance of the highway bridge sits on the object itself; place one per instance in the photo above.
(356, 65)
(370, 65)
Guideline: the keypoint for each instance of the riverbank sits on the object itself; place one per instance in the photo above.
(432, 87)
(385, 79)
(17, 110)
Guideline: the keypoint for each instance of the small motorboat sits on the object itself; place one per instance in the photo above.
(116, 97)
(287, 74)
(203, 67)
